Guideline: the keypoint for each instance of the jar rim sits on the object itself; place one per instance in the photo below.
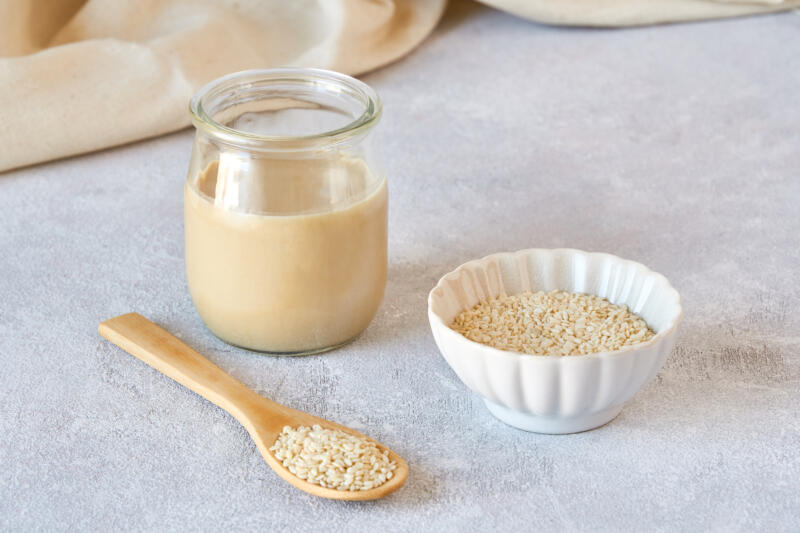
(338, 82)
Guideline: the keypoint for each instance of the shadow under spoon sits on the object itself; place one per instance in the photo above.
(262, 418)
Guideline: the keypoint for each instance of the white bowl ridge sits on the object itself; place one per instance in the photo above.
(555, 394)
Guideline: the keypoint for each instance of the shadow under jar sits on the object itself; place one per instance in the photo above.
(286, 210)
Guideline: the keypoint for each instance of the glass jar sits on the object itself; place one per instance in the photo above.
(285, 210)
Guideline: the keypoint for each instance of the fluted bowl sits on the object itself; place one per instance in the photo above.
(550, 393)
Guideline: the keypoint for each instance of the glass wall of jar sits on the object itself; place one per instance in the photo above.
(286, 209)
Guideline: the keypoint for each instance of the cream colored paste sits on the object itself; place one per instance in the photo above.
(298, 278)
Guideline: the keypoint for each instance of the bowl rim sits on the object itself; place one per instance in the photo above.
(434, 317)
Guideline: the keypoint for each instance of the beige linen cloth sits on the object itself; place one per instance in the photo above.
(81, 75)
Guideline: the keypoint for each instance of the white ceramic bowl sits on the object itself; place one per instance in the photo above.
(555, 394)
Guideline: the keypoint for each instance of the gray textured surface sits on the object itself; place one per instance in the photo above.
(677, 146)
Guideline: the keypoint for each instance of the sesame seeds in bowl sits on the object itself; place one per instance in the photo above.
(582, 379)
(552, 323)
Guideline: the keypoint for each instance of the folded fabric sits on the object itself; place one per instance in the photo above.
(635, 12)
(81, 75)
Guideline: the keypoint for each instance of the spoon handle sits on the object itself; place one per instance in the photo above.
(158, 348)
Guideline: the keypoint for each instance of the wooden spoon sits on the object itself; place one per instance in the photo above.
(263, 419)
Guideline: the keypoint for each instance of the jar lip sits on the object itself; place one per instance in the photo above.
(341, 82)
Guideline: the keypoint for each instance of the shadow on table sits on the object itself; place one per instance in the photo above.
(712, 373)
(403, 316)
(457, 13)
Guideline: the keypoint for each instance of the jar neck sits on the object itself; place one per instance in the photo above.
(286, 110)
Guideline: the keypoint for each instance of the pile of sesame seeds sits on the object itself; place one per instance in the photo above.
(332, 458)
(552, 323)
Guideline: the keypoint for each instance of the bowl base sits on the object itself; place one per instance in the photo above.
(552, 425)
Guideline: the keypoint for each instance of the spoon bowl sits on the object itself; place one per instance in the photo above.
(262, 418)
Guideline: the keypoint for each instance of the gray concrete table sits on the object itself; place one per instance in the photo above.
(678, 146)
